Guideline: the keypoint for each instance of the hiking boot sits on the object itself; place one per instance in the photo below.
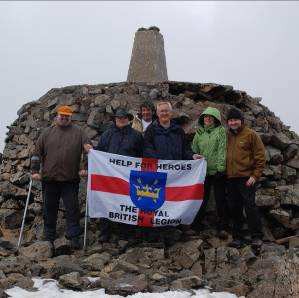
(256, 242)
(236, 243)
(76, 243)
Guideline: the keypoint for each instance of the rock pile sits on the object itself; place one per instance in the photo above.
(122, 267)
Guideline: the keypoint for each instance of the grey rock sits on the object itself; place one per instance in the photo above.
(95, 91)
(13, 264)
(10, 219)
(277, 171)
(276, 276)
(197, 269)
(289, 174)
(79, 117)
(143, 255)
(125, 266)
(294, 163)
(265, 200)
(158, 289)
(101, 100)
(62, 246)
(95, 118)
(3, 294)
(290, 197)
(69, 89)
(187, 283)
(294, 242)
(186, 254)
(61, 265)
(24, 282)
(52, 103)
(275, 155)
(158, 277)
(71, 280)
(210, 259)
(8, 190)
(96, 261)
(281, 216)
(266, 138)
(126, 285)
(280, 141)
(247, 254)
(91, 133)
(154, 93)
(40, 250)
(290, 152)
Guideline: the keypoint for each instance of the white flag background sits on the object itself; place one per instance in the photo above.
(143, 191)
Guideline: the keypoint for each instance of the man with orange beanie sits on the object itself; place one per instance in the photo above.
(59, 150)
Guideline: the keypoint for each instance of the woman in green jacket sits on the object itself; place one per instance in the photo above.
(210, 142)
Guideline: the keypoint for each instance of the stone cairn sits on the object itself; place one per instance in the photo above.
(125, 266)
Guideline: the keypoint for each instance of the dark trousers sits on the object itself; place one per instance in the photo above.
(219, 185)
(52, 192)
(242, 197)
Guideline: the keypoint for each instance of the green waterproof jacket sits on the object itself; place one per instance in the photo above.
(211, 142)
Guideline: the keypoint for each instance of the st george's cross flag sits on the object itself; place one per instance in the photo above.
(144, 191)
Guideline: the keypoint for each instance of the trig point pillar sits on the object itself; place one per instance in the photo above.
(148, 62)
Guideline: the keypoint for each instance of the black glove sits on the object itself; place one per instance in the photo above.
(34, 164)
(220, 175)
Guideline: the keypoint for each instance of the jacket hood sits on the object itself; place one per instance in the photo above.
(211, 112)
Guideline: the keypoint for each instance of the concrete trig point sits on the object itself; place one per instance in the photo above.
(148, 62)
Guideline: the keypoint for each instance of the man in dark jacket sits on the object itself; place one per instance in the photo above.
(59, 150)
(165, 139)
(120, 139)
(245, 164)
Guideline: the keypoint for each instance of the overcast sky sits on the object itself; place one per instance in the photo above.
(252, 46)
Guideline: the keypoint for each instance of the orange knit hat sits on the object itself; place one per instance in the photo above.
(65, 110)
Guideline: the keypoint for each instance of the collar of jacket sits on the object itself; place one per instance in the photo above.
(63, 127)
(237, 131)
(123, 129)
(202, 129)
(162, 130)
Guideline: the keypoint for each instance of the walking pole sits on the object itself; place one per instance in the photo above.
(85, 224)
(24, 216)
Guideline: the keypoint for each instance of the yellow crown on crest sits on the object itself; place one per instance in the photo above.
(148, 192)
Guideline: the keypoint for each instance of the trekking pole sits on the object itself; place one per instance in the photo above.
(24, 216)
(85, 225)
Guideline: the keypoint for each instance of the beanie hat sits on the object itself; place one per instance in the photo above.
(235, 113)
(65, 110)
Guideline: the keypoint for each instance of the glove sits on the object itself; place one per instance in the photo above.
(220, 175)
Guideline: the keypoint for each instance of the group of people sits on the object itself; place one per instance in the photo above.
(235, 160)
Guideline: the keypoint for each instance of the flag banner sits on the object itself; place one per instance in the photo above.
(144, 191)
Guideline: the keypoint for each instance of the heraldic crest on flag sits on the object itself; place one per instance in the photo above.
(147, 189)
(143, 191)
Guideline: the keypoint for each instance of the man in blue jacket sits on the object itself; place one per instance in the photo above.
(120, 139)
(164, 139)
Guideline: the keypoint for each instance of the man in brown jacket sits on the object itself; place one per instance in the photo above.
(59, 150)
(245, 163)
